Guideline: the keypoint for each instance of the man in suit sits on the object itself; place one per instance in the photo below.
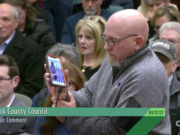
(90, 7)
(23, 50)
(9, 79)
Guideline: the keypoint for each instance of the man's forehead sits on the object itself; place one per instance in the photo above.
(7, 12)
(169, 33)
(4, 69)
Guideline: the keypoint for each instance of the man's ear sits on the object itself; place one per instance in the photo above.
(138, 43)
(174, 66)
(15, 81)
(16, 23)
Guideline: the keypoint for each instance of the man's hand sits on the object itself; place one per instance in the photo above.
(61, 103)
(53, 89)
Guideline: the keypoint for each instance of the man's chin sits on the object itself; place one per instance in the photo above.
(114, 62)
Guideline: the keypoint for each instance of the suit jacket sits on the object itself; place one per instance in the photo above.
(30, 61)
(26, 126)
(68, 36)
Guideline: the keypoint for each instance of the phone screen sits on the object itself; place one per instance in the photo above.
(56, 71)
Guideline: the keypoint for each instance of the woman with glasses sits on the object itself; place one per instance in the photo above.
(31, 26)
(161, 16)
(90, 44)
(44, 124)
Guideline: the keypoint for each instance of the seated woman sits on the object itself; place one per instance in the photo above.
(30, 26)
(90, 44)
(44, 124)
(161, 16)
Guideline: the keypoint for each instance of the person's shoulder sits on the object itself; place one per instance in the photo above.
(18, 103)
(76, 16)
(26, 41)
(41, 26)
(106, 14)
(41, 119)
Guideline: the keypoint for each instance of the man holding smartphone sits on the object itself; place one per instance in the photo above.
(131, 76)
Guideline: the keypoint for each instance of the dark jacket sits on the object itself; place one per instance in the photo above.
(30, 61)
(26, 126)
(40, 32)
(175, 100)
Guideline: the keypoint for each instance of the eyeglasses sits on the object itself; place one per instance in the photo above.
(112, 42)
(5, 79)
(93, 18)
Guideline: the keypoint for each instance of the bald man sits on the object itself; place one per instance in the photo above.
(131, 76)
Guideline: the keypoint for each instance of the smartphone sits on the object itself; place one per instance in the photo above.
(55, 69)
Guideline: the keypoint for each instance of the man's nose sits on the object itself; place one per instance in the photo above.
(1, 24)
(89, 3)
(106, 46)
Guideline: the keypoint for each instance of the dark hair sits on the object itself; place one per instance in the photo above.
(32, 13)
(10, 62)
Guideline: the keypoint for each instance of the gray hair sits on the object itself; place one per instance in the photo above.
(15, 13)
(67, 51)
(170, 26)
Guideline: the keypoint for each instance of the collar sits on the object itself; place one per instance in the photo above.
(131, 60)
(170, 79)
(10, 38)
(137, 56)
(11, 101)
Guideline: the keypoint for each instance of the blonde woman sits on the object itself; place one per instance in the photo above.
(90, 44)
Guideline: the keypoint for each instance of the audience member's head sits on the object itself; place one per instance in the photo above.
(171, 32)
(8, 21)
(92, 7)
(89, 40)
(67, 53)
(166, 53)
(163, 15)
(9, 79)
(153, 5)
(25, 10)
(124, 35)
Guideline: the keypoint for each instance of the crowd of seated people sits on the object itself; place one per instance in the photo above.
(29, 32)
